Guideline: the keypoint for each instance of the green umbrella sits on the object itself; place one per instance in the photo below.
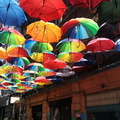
(109, 11)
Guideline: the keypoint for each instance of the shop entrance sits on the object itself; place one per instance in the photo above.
(60, 109)
(37, 112)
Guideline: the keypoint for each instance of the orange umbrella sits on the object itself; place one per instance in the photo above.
(17, 52)
(3, 53)
(44, 31)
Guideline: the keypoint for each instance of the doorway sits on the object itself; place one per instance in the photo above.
(60, 109)
(37, 112)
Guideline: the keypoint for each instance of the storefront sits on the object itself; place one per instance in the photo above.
(60, 109)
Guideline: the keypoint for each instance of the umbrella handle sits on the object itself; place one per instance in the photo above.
(117, 33)
(1, 27)
(92, 10)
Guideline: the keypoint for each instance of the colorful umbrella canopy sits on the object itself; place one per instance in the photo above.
(19, 90)
(44, 31)
(2, 71)
(41, 79)
(28, 79)
(109, 12)
(14, 51)
(35, 46)
(46, 10)
(70, 56)
(42, 57)
(54, 64)
(100, 44)
(14, 75)
(3, 87)
(1, 80)
(15, 81)
(3, 53)
(70, 45)
(11, 13)
(47, 72)
(35, 67)
(86, 3)
(80, 28)
(30, 73)
(11, 30)
(11, 38)
(7, 83)
(13, 68)
(20, 61)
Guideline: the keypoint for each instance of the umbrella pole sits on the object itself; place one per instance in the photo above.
(20, 107)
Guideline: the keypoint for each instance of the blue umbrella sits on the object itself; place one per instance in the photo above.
(11, 13)
(84, 62)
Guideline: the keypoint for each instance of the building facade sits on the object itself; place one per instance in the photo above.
(94, 96)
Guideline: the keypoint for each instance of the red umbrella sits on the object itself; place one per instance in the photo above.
(100, 44)
(41, 79)
(46, 10)
(54, 64)
(86, 3)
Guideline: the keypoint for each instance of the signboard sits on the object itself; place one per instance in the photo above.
(13, 99)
